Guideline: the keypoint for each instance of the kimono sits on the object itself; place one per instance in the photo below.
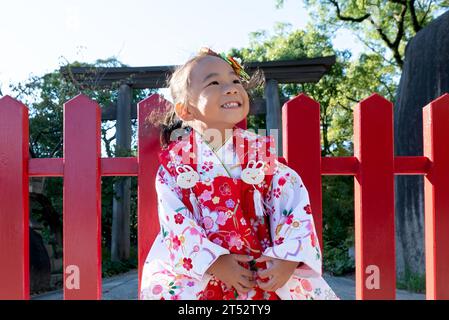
(224, 216)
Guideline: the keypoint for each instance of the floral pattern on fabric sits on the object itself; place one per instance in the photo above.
(176, 265)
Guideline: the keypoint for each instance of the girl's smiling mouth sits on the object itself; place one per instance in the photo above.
(231, 105)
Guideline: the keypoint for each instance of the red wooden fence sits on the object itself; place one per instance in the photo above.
(373, 166)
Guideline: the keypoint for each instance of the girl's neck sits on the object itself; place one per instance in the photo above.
(223, 133)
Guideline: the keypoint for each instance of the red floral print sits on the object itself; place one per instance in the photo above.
(225, 189)
(179, 218)
(277, 192)
(207, 166)
(308, 209)
(282, 181)
(279, 241)
(187, 263)
(313, 239)
(176, 243)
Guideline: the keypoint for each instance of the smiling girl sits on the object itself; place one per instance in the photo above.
(235, 222)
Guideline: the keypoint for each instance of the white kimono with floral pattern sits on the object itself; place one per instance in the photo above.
(165, 273)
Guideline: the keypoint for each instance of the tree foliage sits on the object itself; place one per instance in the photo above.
(384, 26)
(338, 91)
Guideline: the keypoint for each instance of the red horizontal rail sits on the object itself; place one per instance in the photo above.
(47, 167)
(403, 165)
(128, 166)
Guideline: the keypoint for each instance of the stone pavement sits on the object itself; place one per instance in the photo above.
(124, 287)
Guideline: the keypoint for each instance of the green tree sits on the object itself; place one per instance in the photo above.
(338, 91)
(384, 26)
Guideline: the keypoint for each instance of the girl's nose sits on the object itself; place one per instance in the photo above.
(231, 90)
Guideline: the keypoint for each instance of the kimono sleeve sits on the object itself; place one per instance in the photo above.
(190, 252)
(291, 223)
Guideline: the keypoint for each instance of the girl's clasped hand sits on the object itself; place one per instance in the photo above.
(227, 269)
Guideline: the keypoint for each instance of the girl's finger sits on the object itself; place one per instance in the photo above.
(265, 273)
(267, 286)
(263, 259)
(246, 282)
(244, 272)
(241, 288)
(242, 258)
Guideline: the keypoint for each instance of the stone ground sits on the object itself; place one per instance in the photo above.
(124, 287)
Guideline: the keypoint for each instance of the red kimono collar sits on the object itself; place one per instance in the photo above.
(247, 144)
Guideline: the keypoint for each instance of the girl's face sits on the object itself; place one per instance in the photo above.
(217, 96)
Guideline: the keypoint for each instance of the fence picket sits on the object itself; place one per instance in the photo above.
(14, 200)
(436, 190)
(301, 149)
(82, 199)
(148, 149)
(374, 199)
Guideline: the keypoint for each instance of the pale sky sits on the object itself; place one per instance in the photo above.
(39, 36)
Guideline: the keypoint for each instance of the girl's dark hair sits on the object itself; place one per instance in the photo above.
(170, 125)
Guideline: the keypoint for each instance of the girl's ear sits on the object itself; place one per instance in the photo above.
(183, 112)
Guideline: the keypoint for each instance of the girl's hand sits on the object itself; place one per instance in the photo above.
(278, 272)
(227, 269)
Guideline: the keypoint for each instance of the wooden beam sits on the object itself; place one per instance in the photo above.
(287, 71)
(109, 112)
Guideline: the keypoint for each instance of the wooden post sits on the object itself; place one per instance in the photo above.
(82, 199)
(273, 116)
(14, 200)
(120, 243)
(374, 200)
(436, 201)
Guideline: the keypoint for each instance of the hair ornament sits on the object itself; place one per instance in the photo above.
(232, 61)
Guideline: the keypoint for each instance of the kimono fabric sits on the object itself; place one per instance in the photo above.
(224, 219)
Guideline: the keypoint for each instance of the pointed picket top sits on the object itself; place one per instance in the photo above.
(154, 99)
(302, 100)
(440, 102)
(8, 103)
(80, 101)
(153, 103)
(375, 101)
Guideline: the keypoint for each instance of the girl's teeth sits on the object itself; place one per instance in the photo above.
(231, 105)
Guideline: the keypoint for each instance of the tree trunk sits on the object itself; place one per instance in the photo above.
(425, 77)
(40, 267)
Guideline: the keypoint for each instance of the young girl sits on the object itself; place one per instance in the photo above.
(235, 222)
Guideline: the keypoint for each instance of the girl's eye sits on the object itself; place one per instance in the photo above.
(237, 81)
(213, 82)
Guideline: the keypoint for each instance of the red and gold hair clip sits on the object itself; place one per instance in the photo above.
(234, 63)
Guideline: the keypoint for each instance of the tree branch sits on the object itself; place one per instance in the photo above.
(347, 18)
(403, 2)
(400, 33)
(56, 148)
(425, 15)
(415, 22)
(374, 50)
(386, 87)
(394, 46)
